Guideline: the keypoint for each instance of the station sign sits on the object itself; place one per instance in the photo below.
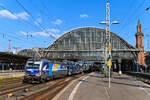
(109, 47)
(109, 63)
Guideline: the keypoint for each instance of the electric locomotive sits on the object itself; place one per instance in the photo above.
(43, 70)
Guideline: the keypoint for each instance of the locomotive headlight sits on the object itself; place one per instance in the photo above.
(28, 69)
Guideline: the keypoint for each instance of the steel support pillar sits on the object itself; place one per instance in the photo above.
(119, 65)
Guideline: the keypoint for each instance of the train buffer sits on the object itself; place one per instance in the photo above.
(94, 86)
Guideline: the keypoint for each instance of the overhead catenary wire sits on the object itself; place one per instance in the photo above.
(132, 16)
(47, 12)
(138, 15)
(124, 18)
(41, 27)
(147, 9)
(26, 40)
(16, 16)
(44, 13)
(15, 39)
(25, 21)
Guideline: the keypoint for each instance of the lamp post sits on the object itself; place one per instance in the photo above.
(108, 60)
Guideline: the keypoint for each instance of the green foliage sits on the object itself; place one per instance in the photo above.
(105, 71)
(2, 86)
(6, 79)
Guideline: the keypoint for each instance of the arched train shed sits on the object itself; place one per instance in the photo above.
(87, 43)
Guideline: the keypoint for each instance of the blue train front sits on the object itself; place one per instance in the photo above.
(42, 70)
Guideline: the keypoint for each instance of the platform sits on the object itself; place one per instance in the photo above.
(11, 74)
(95, 87)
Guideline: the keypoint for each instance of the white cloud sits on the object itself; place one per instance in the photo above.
(57, 22)
(53, 30)
(44, 34)
(23, 33)
(48, 33)
(6, 13)
(22, 15)
(38, 20)
(40, 34)
(84, 16)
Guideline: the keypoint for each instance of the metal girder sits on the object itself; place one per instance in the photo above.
(117, 50)
(84, 43)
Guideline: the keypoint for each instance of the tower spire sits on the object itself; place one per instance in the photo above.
(139, 28)
(139, 23)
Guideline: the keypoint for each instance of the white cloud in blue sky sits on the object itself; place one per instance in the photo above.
(57, 22)
(49, 33)
(54, 30)
(22, 15)
(8, 14)
(38, 20)
(23, 33)
(44, 34)
(83, 16)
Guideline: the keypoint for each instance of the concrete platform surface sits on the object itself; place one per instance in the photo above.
(11, 75)
(95, 87)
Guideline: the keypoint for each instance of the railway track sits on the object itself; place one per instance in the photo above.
(44, 91)
(10, 82)
(51, 91)
(18, 87)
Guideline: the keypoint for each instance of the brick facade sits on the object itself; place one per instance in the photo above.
(139, 44)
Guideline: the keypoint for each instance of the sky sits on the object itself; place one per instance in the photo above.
(38, 23)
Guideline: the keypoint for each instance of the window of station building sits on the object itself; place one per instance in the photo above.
(121, 45)
(59, 45)
(78, 33)
(115, 43)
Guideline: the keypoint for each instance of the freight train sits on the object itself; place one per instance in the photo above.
(44, 70)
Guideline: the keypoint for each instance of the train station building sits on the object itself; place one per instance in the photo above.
(87, 43)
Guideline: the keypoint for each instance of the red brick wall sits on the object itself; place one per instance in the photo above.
(141, 58)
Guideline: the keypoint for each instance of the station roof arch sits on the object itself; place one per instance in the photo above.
(88, 43)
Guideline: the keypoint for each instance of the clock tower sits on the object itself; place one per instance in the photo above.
(139, 44)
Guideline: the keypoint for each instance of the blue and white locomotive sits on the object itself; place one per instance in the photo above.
(43, 70)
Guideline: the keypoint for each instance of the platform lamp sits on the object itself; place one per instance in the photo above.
(114, 22)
